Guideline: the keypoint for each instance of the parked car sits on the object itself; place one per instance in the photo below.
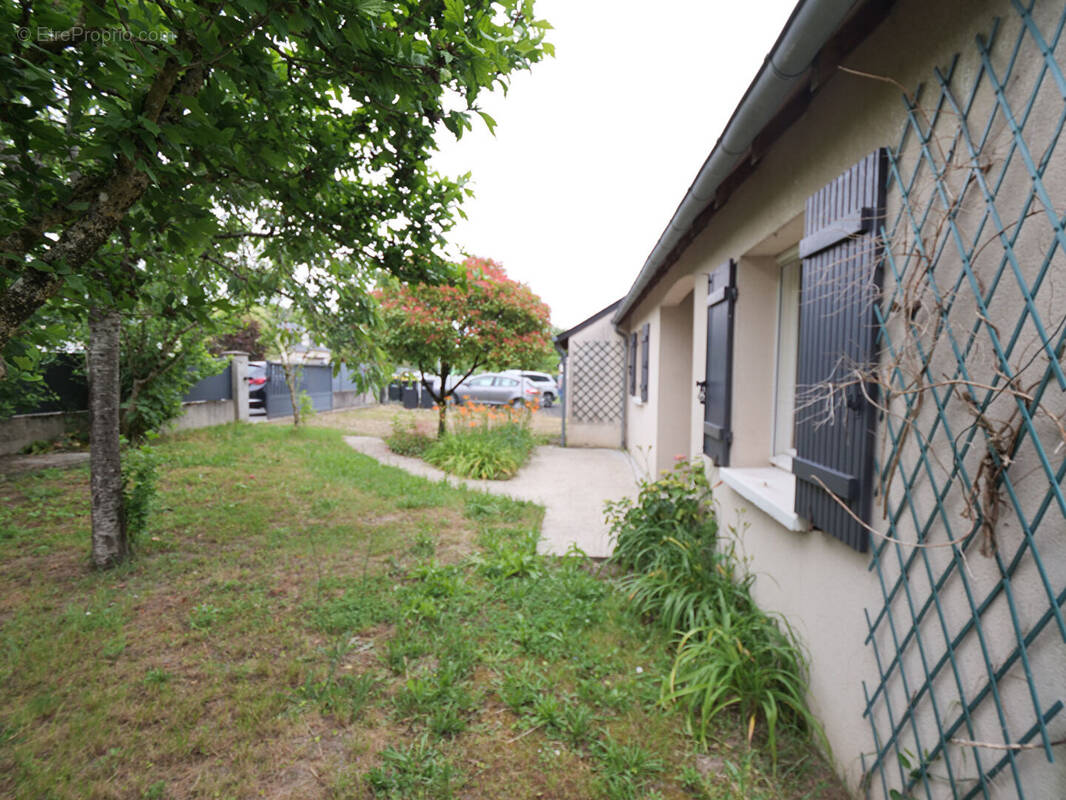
(257, 382)
(549, 389)
(497, 389)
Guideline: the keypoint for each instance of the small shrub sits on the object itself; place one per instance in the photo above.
(307, 405)
(485, 443)
(406, 439)
(139, 477)
(746, 660)
(482, 453)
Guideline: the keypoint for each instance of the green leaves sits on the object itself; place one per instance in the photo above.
(316, 121)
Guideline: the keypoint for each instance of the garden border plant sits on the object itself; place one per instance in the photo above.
(481, 442)
(683, 574)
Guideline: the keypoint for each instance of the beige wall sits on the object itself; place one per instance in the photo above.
(823, 587)
(675, 386)
(641, 417)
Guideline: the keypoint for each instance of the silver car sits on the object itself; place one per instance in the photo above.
(549, 389)
(495, 389)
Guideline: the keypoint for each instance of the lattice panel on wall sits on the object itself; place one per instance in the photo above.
(970, 641)
(596, 369)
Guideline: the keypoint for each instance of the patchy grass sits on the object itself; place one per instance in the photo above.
(303, 622)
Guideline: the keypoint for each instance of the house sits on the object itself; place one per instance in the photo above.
(856, 318)
(593, 354)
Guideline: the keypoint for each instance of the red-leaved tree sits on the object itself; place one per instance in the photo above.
(484, 320)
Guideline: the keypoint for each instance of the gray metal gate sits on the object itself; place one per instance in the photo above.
(314, 380)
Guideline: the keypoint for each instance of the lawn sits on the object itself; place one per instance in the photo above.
(303, 622)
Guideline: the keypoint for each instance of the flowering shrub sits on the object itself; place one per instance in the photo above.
(485, 442)
(474, 416)
(481, 319)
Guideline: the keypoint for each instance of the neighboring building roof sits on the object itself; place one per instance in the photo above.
(564, 337)
(814, 40)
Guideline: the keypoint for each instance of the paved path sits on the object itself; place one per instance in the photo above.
(571, 483)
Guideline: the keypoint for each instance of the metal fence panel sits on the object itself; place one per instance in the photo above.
(345, 379)
(213, 387)
(315, 380)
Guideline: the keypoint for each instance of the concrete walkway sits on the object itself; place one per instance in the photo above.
(571, 483)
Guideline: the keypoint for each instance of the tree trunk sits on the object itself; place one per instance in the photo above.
(290, 381)
(442, 401)
(109, 543)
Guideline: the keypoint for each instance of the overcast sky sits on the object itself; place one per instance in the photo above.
(595, 148)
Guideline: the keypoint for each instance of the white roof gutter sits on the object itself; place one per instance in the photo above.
(811, 25)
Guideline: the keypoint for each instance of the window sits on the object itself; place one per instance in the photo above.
(508, 382)
(482, 381)
(783, 445)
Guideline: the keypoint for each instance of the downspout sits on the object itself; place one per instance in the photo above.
(625, 382)
(808, 29)
(566, 385)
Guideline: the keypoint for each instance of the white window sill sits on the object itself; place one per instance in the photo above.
(769, 489)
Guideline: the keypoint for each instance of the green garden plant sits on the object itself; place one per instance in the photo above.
(687, 577)
(484, 443)
(406, 438)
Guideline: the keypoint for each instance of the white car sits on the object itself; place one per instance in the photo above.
(549, 389)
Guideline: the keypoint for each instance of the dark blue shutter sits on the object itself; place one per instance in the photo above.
(645, 354)
(633, 363)
(718, 393)
(841, 254)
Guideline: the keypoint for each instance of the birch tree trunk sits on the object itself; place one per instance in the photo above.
(109, 544)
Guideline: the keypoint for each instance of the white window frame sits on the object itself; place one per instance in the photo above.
(781, 455)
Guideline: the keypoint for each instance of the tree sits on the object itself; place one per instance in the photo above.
(207, 124)
(262, 147)
(484, 320)
(284, 330)
(110, 545)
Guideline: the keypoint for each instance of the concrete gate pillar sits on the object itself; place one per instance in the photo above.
(238, 361)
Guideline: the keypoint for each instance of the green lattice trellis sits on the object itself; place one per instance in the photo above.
(596, 392)
(973, 460)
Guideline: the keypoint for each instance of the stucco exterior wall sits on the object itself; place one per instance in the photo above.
(675, 386)
(821, 586)
(642, 420)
